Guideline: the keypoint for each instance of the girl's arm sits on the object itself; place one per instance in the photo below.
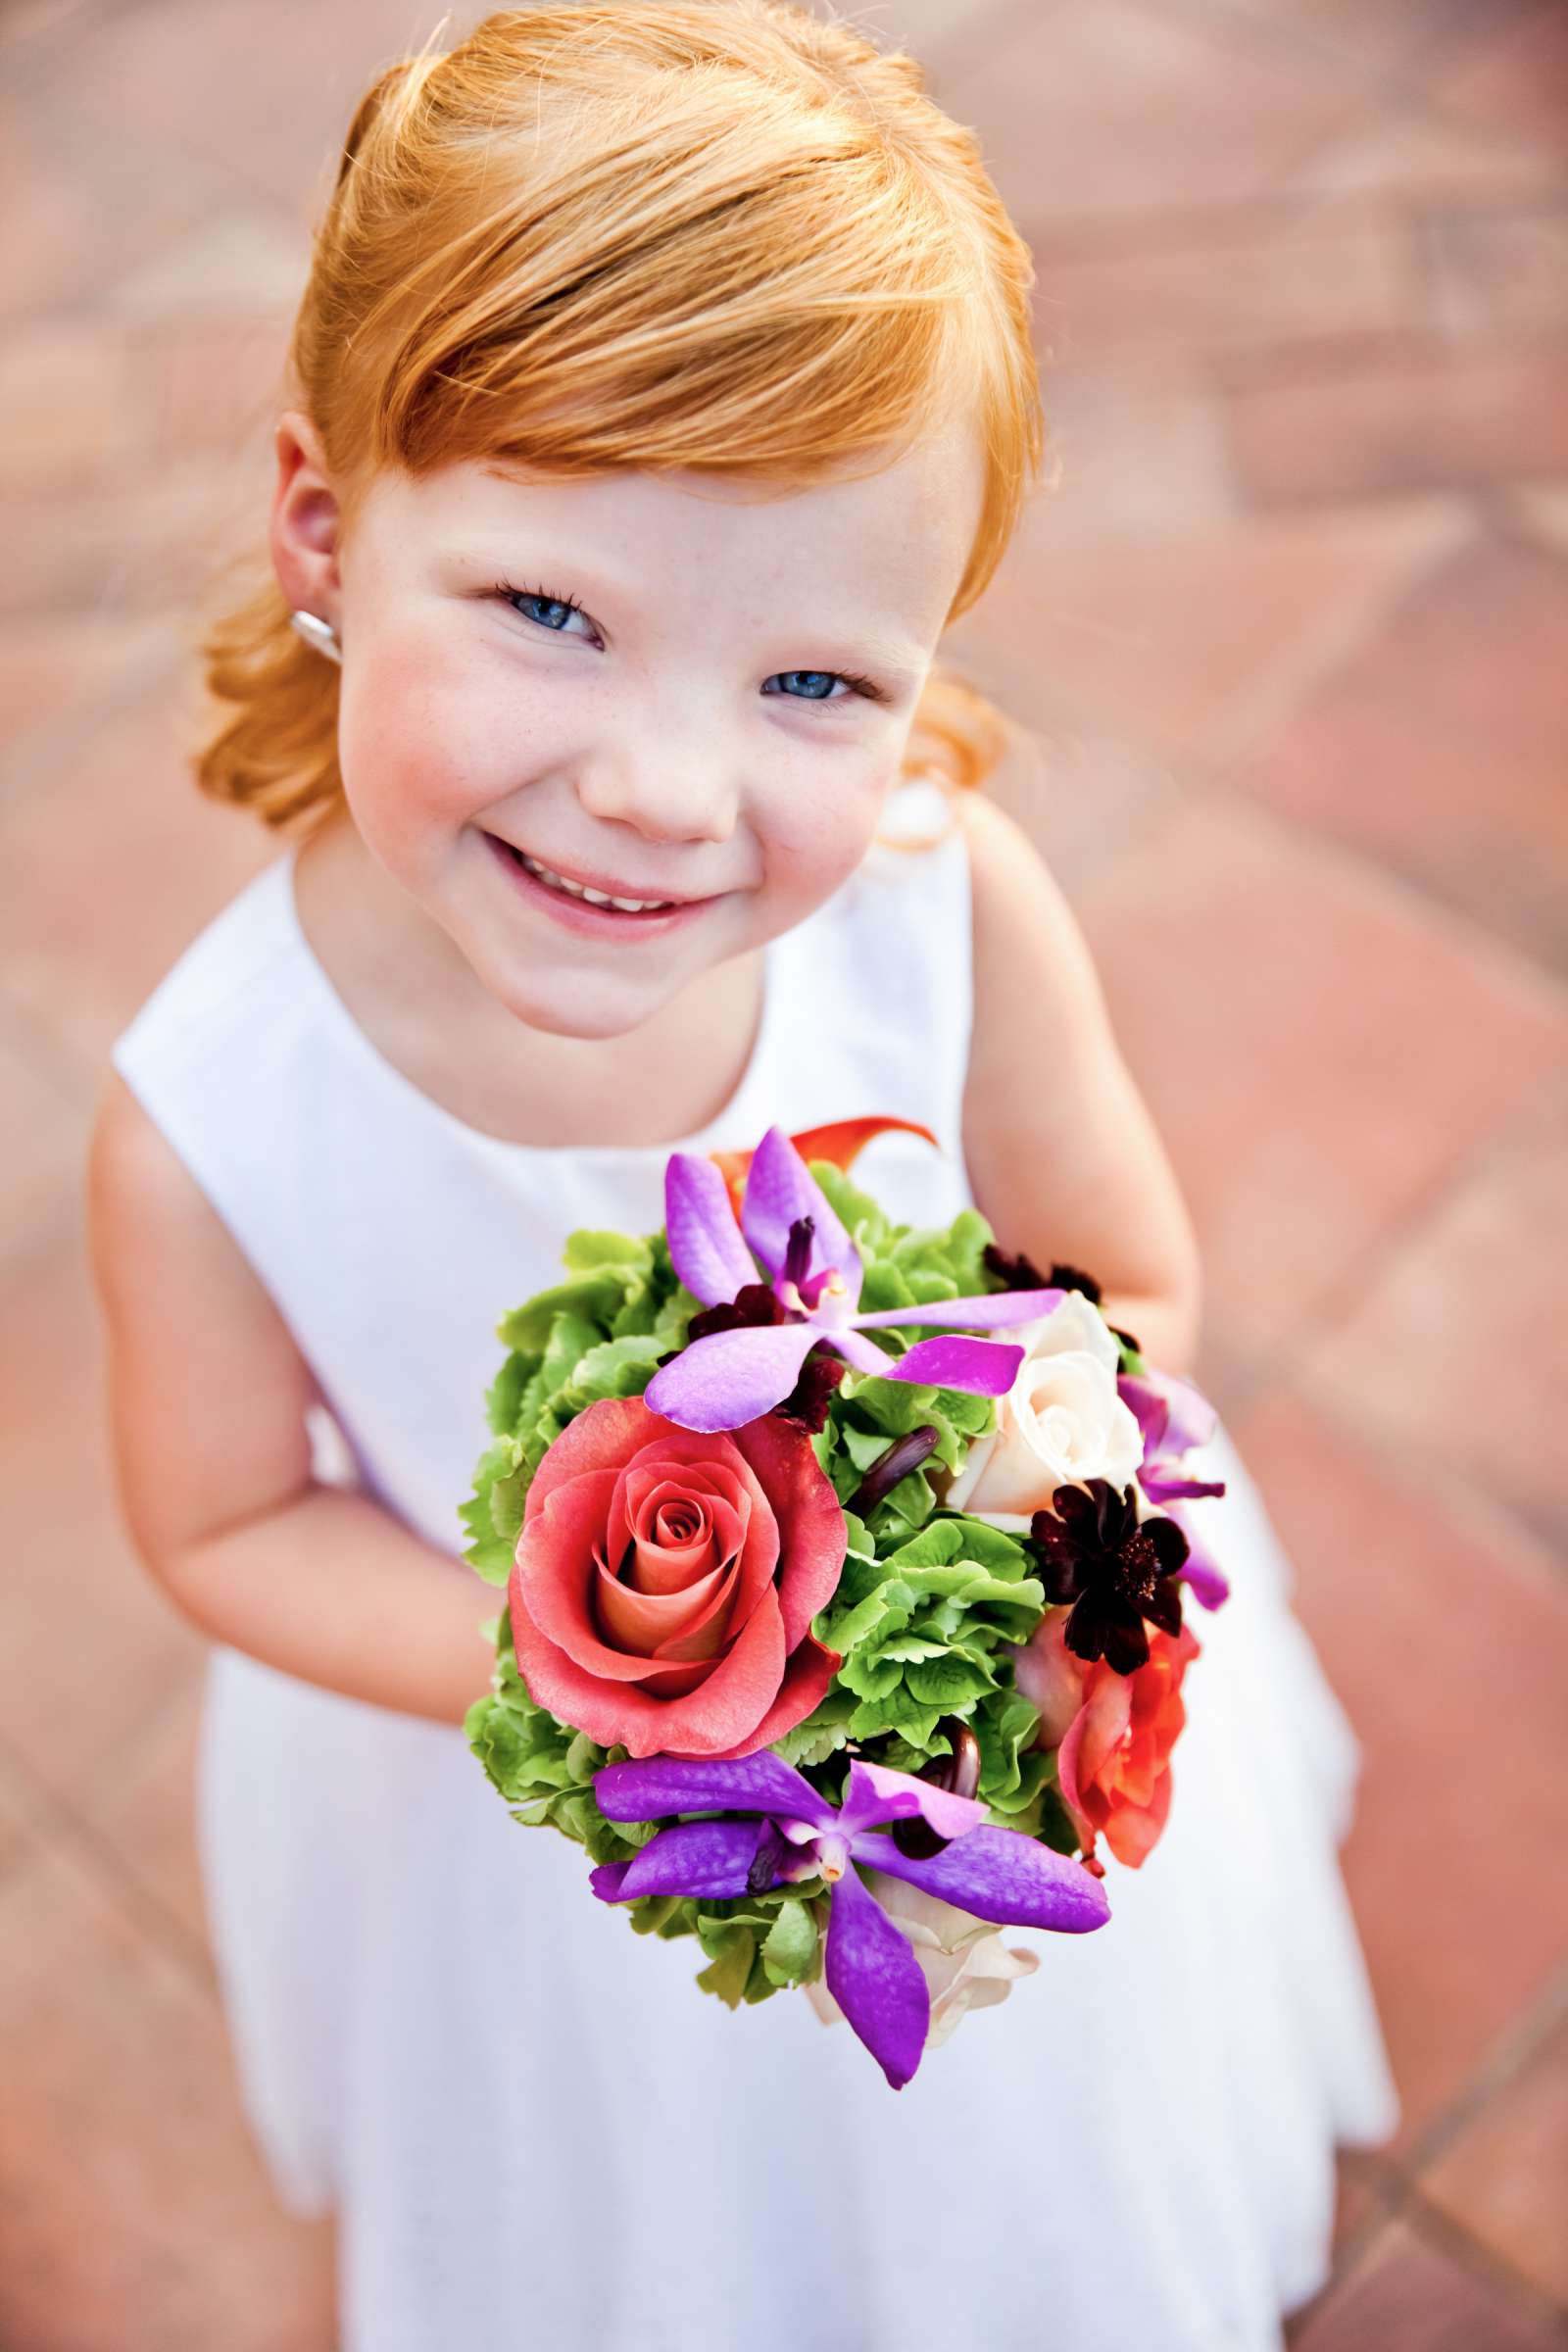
(1063, 1158)
(207, 1400)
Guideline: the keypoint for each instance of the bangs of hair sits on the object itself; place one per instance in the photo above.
(724, 238)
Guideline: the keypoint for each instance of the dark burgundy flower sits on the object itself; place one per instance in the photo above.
(807, 1402)
(1020, 1273)
(1073, 1277)
(1093, 1552)
(753, 1303)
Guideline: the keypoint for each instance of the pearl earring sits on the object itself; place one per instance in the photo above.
(318, 632)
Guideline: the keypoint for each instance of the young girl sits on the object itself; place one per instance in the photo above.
(662, 388)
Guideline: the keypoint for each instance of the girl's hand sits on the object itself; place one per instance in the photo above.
(1063, 1158)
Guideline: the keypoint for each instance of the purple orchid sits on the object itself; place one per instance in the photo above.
(1174, 1418)
(727, 1377)
(871, 1969)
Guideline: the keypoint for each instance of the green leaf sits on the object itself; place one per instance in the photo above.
(790, 1944)
(907, 1647)
(586, 1252)
(508, 1494)
(656, 1914)
(822, 1734)
(731, 1949)
(1055, 1827)
(583, 1758)
(968, 1239)
(1003, 1555)
(860, 1545)
(869, 1677)
(488, 1555)
(879, 1613)
(571, 1335)
(884, 1286)
(947, 1683)
(490, 1548)
(505, 1393)
(864, 1446)
(905, 1507)
(898, 1712)
(1007, 1727)
(591, 1300)
(614, 1368)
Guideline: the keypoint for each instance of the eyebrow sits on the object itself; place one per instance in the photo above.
(897, 656)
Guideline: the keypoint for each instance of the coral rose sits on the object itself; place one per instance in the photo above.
(664, 1582)
(1114, 1733)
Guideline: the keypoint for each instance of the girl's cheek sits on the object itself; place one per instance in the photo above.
(419, 753)
(821, 829)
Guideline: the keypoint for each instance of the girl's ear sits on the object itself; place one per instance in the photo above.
(304, 520)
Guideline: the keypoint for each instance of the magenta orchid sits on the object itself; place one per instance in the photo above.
(871, 1967)
(727, 1377)
(1174, 1418)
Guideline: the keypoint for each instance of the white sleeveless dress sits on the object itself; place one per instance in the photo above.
(536, 2132)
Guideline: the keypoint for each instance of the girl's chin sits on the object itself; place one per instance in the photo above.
(558, 1004)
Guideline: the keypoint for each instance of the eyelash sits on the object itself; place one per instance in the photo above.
(548, 596)
(541, 596)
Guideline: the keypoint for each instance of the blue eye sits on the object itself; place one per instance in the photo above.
(548, 612)
(543, 611)
(805, 685)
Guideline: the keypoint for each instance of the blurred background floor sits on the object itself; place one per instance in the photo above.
(1291, 636)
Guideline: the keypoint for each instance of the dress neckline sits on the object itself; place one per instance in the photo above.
(744, 1111)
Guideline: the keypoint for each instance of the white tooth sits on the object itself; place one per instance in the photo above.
(575, 890)
(580, 890)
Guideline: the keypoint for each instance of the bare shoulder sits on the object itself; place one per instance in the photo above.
(149, 1222)
(1037, 992)
(1062, 1155)
(208, 1390)
(137, 1181)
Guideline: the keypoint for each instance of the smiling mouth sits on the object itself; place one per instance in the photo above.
(570, 892)
(580, 890)
(548, 875)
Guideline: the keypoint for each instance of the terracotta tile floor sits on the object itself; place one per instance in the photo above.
(1291, 636)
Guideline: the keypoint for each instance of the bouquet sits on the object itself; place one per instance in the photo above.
(838, 1633)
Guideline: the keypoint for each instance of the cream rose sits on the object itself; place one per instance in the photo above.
(1060, 1424)
(964, 1959)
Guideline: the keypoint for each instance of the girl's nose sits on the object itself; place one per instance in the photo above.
(666, 791)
